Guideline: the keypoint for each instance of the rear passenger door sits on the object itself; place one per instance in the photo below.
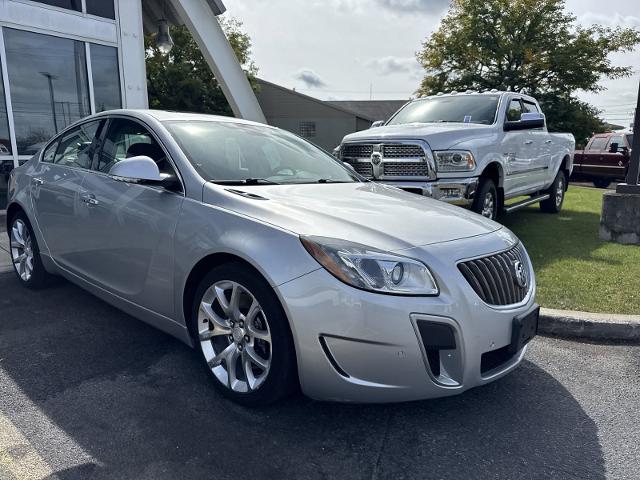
(129, 227)
(56, 189)
(542, 142)
(519, 151)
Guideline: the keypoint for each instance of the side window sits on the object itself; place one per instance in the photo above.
(77, 147)
(617, 139)
(598, 143)
(126, 139)
(530, 107)
(50, 153)
(514, 112)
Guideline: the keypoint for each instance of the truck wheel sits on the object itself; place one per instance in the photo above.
(602, 182)
(485, 202)
(556, 195)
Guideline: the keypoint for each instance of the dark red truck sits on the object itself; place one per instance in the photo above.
(605, 159)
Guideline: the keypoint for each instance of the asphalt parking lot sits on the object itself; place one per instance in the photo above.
(87, 392)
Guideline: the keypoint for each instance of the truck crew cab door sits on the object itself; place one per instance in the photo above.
(615, 158)
(592, 157)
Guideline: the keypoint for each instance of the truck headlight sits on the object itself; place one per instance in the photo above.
(455, 161)
(370, 269)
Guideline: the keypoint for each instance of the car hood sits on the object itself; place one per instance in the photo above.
(438, 135)
(372, 214)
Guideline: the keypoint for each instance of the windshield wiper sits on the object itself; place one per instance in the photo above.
(246, 181)
(330, 180)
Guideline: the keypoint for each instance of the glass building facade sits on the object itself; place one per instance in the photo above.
(50, 79)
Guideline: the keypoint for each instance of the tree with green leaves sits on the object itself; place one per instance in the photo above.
(182, 80)
(533, 46)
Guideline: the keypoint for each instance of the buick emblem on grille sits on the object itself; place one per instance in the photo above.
(519, 274)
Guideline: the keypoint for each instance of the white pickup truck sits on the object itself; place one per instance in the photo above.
(475, 149)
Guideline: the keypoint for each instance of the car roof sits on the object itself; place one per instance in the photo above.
(474, 92)
(167, 116)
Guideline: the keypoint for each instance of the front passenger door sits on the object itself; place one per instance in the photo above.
(130, 226)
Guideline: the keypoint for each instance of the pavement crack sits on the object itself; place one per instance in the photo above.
(376, 468)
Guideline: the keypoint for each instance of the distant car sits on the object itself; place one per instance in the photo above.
(275, 260)
(478, 149)
(604, 160)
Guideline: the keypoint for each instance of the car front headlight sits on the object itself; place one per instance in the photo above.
(370, 269)
(455, 161)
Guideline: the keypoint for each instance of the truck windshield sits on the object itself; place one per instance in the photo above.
(461, 108)
(247, 154)
(630, 140)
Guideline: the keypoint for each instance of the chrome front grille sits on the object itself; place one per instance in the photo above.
(406, 169)
(494, 277)
(390, 161)
(402, 151)
(357, 150)
(364, 169)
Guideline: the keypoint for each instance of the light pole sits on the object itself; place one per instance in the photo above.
(633, 182)
(50, 79)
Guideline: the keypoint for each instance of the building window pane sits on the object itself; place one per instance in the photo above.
(5, 139)
(307, 129)
(101, 8)
(48, 83)
(106, 77)
(69, 4)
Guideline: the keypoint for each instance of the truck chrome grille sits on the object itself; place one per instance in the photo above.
(494, 279)
(406, 169)
(364, 169)
(402, 151)
(357, 150)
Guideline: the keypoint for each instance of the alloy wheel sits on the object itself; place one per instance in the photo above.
(488, 206)
(21, 250)
(559, 192)
(234, 336)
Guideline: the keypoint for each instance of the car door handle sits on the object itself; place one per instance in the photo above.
(528, 142)
(89, 199)
(38, 181)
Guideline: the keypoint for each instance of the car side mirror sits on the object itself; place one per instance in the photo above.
(138, 169)
(529, 120)
(377, 124)
(614, 147)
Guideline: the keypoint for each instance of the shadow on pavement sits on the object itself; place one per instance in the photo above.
(138, 404)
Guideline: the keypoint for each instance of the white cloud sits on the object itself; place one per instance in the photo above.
(310, 78)
(609, 19)
(392, 65)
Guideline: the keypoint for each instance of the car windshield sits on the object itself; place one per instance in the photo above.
(461, 108)
(230, 152)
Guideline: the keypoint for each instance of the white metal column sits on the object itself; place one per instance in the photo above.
(7, 97)
(131, 43)
(222, 60)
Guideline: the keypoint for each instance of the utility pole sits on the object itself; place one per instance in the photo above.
(50, 78)
(633, 182)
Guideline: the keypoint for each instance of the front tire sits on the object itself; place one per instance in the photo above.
(486, 202)
(556, 195)
(25, 254)
(244, 336)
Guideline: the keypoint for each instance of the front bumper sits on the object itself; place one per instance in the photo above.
(459, 191)
(359, 346)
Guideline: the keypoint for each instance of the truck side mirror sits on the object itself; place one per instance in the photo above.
(529, 120)
(613, 148)
(377, 124)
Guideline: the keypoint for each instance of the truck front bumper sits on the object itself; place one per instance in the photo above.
(459, 191)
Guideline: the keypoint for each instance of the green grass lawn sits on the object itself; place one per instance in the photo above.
(575, 270)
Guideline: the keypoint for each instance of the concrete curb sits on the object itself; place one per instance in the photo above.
(596, 327)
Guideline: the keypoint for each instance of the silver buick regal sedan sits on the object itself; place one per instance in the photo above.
(276, 261)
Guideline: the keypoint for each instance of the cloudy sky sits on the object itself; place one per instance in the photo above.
(354, 49)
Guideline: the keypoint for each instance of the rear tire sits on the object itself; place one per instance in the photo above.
(25, 254)
(556, 194)
(486, 200)
(243, 336)
(602, 182)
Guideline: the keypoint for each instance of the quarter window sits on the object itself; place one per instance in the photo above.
(50, 153)
(514, 112)
(77, 147)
